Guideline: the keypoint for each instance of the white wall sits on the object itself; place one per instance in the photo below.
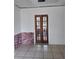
(17, 25)
(56, 20)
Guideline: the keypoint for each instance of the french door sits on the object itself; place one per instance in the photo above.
(41, 28)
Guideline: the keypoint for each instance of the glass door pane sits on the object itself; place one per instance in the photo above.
(38, 19)
(44, 18)
(45, 28)
(38, 29)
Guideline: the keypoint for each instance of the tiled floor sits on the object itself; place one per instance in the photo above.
(40, 52)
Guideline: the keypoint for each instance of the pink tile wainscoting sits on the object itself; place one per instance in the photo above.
(26, 38)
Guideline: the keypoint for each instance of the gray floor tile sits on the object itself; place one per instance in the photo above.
(40, 52)
(18, 57)
(28, 58)
(38, 58)
(20, 53)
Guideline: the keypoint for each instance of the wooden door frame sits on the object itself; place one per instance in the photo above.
(41, 26)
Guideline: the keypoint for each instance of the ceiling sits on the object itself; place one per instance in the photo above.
(35, 3)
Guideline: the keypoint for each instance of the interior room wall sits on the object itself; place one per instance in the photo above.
(17, 26)
(56, 22)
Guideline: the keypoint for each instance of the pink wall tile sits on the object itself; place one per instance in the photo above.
(24, 38)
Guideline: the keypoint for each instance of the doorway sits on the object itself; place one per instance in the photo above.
(41, 29)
